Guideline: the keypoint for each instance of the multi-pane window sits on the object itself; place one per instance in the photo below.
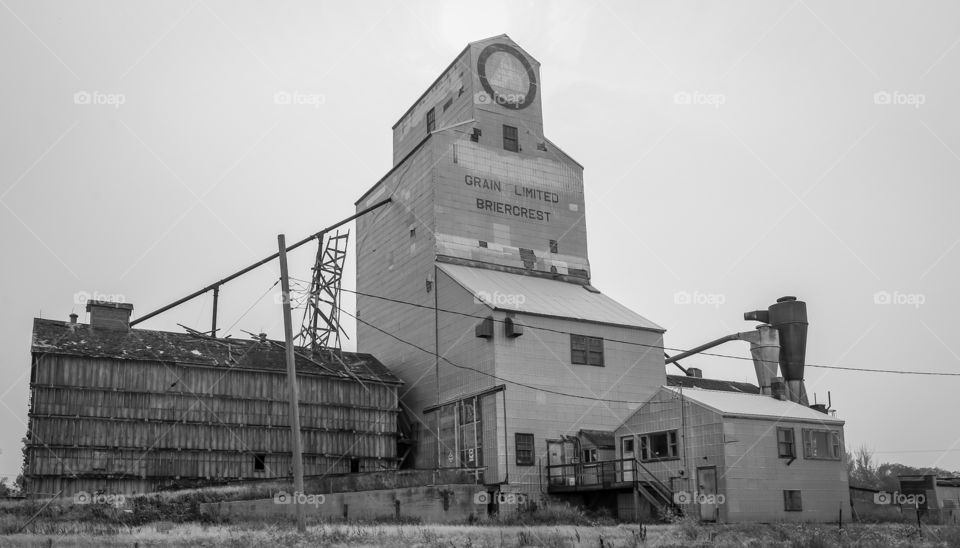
(471, 433)
(786, 448)
(822, 444)
(591, 455)
(431, 120)
(659, 446)
(524, 443)
(511, 140)
(791, 501)
(586, 350)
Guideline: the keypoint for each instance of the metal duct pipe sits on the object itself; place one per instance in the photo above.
(789, 317)
(765, 349)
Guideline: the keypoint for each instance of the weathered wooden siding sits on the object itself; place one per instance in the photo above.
(125, 426)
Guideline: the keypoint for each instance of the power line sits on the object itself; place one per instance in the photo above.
(658, 347)
(491, 375)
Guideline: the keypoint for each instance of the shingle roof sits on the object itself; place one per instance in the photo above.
(544, 297)
(712, 384)
(753, 405)
(57, 337)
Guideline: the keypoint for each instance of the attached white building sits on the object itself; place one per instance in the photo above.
(733, 456)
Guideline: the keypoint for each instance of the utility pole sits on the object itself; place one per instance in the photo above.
(294, 393)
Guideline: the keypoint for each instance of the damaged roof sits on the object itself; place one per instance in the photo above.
(711, 384)
(544, 297)
(75, 339)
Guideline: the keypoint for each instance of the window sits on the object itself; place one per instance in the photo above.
(626, 446)
(447, 104)
(659, 446)
(791, 501)
(821, 444)
(511, 141)
(591, 455)
(471, 432)
(431, 120)
(354, 466)
(586, 350)
(524, 444)
(786, 449)
(553, 246)
(259, 462)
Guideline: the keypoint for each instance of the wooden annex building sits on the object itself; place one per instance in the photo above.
(120, 411)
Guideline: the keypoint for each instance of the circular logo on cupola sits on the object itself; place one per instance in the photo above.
(507, 77)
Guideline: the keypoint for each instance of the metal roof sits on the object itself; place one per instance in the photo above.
(544, 297)
(712, 384)
(62, 338)
(753, 405)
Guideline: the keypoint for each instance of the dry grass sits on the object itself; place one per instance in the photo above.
(436, 536)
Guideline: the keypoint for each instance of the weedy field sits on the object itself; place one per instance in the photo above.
(476, 536)
(176, 520)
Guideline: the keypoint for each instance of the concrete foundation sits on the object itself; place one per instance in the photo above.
(449, 503)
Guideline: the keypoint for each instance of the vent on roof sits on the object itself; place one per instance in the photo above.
(512, 327)
(484, 329)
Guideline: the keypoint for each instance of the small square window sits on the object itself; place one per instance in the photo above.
(791, 501)
(586, 350)
(524, 443)
(553, 246)
(483, 243)
(511, 139)
(259, 462)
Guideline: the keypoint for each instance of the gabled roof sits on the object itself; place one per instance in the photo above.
(543, 297)
(712, 384)
(733, 404)
(63, 338)
(602, 439)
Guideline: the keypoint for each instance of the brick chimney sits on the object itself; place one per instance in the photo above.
(109, 315)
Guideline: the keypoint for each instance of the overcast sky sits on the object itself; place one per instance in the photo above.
(734, 152)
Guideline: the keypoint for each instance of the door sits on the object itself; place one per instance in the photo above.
(561, 452)
(706, 495)
(628, 455)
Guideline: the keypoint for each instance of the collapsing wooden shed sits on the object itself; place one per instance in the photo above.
(120, 411)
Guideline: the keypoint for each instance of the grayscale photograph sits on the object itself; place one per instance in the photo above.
(425, 273)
